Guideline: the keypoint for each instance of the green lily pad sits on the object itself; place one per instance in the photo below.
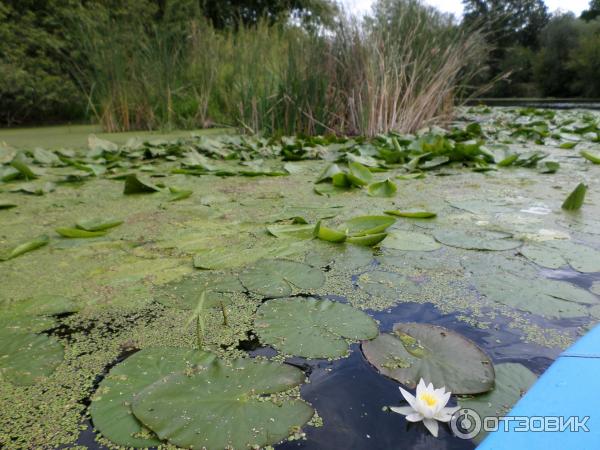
(387, 285)
(364, 225)
(223, 406)
(512, 382)
(359, 174)
(575, 199)
(134, 185)
(328, 173)
(438, 355)
(77, 233)
(412, 214)
(26, 358)
(383, 189)
(477, 239)
(98, 224)
(111, 404)
(25, 171)
(184, 293)
(312, 328)
(411, 241)
(26, 247)
(279, 277)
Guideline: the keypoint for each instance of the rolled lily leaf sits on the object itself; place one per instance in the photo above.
(23, 169)
(416, 214)
(133, 185)
(595, 158)
(27, 247)
(78, 233)
(567, 145)
(98, 224)
(369, 240)
(383, 189)
(364, 225)
(7, 205)
(575, 200)
(341, 180)
(359, 175)
(328, 173)
(328, 234)
(179, 194)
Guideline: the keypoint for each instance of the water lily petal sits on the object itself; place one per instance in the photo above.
(421, 387)
(415, 417)
(409, 397)
(404, 410)
(432, 426)
(445, 415)
(444, 398)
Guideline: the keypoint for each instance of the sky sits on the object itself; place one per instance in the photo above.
(455, 6)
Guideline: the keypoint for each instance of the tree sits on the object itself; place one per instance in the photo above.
(508, 22)
(592, 12)
(228, 13)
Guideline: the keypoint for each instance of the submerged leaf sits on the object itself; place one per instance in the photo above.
(27, 359)
(512, 382)
(224, 405)
(279, 277)
(476, 239)
(575, 200)
(411, 241)
(312, 328)
(437, 355)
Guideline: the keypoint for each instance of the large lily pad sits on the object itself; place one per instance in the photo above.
(439, 356)
(279, 277)
(111, 404)
(411, 241)
(223, 406)
(477, 239)
(184, 293)
(27, 358)
(312, 328)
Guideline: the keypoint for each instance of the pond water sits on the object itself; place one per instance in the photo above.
(500, 263)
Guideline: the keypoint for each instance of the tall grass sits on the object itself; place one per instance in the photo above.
(399, 70)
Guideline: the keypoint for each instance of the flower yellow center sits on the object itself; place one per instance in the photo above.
(426, 397)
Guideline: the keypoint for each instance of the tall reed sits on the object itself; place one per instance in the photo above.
(399, 70)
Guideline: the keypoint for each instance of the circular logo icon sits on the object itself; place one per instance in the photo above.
(465, 423)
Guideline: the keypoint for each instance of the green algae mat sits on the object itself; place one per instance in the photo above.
(132, 273)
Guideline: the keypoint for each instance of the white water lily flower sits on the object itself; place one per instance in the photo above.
(429, 406)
